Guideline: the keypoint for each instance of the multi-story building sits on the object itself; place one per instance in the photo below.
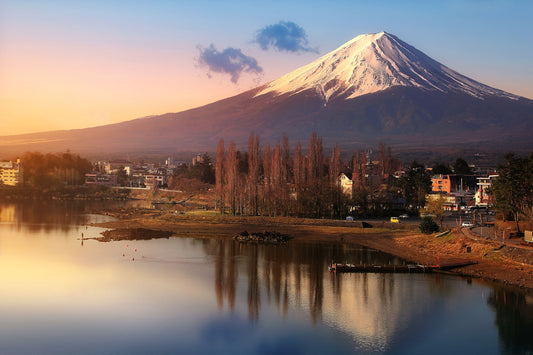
(441, 183)
(155, 180)
(482, 197)
(11, 173)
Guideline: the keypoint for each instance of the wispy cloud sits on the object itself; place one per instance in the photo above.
(284, 36)
(230, 61)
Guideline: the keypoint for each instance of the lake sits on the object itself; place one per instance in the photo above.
(63, 295)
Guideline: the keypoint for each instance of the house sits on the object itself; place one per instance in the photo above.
(346, 184)
(482, 197)
(137, 177)
(114, 166)
(11, 173)
(100, 179)
(152, 181)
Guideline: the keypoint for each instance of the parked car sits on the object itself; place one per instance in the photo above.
(467, 224)
(349, 218)
(404, 216)
(395, 220)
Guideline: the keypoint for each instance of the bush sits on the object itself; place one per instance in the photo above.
(428, 225)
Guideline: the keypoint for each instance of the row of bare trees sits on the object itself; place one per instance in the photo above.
(272, 181)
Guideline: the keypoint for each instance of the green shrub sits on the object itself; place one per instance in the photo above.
(428, 225)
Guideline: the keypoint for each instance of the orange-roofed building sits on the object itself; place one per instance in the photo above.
(441, 183)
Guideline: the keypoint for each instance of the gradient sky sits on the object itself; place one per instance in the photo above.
(72, 64)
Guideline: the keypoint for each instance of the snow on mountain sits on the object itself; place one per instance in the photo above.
(374, 62)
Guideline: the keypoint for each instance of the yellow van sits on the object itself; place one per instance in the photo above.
(394, 220)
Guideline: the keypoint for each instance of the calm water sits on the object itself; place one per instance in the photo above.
(180, 295)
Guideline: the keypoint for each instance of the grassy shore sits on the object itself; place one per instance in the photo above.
(495, 261)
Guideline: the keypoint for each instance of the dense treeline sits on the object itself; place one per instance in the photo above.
(272, 181)
(48, 171)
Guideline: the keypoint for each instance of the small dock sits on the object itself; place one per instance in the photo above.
(405, 268)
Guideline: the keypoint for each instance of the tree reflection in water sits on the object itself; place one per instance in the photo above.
(254, 293)
(372, 307)
(280, 273)
(255, 284)
(51, 215)
(514, 318)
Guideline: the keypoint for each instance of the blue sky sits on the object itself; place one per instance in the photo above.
(72, 64)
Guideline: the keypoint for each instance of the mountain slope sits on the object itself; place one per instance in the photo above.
(373, 88)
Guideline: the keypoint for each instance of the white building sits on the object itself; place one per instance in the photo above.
(482, 197)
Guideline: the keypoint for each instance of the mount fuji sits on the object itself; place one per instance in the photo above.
(374, 88)
(375, 62)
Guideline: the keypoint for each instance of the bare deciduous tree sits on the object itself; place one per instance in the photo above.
(231, 171)
(253, 172)
(219, 176)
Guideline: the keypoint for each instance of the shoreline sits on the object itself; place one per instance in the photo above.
(495, 261)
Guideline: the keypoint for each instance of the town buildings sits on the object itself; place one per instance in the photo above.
(460, 191)
(101, 179)
(11, 173)
(139, 174)
(454, 188)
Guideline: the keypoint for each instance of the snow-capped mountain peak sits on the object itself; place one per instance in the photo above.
(374, 62)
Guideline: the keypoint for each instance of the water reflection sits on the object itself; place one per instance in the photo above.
(281, 271)
(375, 309)
(51, 215)
(184, 295)
(514, 318)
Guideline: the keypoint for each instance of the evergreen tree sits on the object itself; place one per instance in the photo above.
(512, 190)
(461, 167)
(415, 185)
(428, 225)
(441, 169)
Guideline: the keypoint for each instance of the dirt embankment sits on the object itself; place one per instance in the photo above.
(495, 261)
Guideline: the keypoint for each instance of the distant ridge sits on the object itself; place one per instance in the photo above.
(373, 88)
